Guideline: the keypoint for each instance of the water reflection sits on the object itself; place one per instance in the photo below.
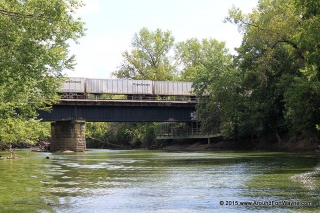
(309, 179)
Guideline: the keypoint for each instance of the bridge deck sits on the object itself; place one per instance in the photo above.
(120, 110)
(121, 102)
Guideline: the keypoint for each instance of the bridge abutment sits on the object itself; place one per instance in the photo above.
(68, 135)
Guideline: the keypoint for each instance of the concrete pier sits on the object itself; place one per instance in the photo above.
(68, 135)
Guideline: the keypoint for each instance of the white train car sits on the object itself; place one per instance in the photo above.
(73, 86)
(119, 86)
(173, 88)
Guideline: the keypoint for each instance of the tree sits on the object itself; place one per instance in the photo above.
(216, 81)
(302, 105)
(277, 59)
(191, 53)
(34, 51)
(149, 58)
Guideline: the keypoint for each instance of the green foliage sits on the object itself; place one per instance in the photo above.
(271, 86)
(144, 134)
(302, 105)
(278, 68)
(124, 134)
(293, 24)
(217, 81)
(97, 130)
(209, 66)
(15, 130)
(34, 51)
(149, 57)
(192, 53)
(310, 8)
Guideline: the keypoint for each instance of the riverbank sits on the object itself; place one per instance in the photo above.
(269, 143)
(265, 144)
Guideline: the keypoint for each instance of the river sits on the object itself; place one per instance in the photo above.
(160, 181)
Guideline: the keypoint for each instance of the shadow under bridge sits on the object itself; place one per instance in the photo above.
(120, 111)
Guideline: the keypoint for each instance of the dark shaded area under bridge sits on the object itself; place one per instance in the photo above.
(186, 130)
(120, 111)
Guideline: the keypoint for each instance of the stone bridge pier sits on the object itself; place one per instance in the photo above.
(68, 135)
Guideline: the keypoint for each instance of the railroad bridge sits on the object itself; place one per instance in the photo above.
(68, 117)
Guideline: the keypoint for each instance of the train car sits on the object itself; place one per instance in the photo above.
(119, 86)
(73, 87)
(172, 88)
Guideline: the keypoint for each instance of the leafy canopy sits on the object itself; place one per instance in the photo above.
(34, 51)
(149, 58)
(279, 66)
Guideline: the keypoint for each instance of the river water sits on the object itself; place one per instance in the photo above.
(160, 181)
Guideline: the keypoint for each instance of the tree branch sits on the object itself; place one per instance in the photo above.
(106, 142)
(292, 44)
(11, 13)
(152, 62)
(279, 41)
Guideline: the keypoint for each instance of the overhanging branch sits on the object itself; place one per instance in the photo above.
(11, 13)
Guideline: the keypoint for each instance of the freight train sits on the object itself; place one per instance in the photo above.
(76, 87)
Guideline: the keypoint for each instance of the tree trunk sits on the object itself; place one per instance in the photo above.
(276, 134)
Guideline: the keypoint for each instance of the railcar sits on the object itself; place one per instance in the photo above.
(73, 88)
(172, 88)
(131, 88)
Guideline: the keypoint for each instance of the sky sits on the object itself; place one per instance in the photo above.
(111, 25)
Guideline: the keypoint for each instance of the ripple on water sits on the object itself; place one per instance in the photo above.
(307, 180)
